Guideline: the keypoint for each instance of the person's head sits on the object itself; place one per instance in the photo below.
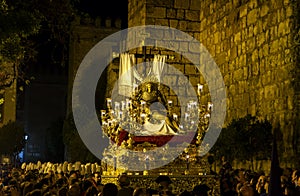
(109, 189)
(296, 178)
(241, 175)
(97, 176)
(201, 190)
(289, 189)
(86, 184)
(91, 191)
(73, 174)
(123, 180)
(223, 159)
(163, 181)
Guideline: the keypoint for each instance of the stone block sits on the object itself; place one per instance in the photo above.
(192, 15)
(181, 4)
(233, 52)
(164, 3)
(237, 37)
(173, 23)
(264, 10)
(193, 26)
(203, 24)
(289, 11)
(266, 49)
(217, 37)
(171, 13)
(118, 23)
(260, 39)
(274, 46)
(255, 69)
(194, 47)
(252, 16)
(156, 12)
(182, 25)
(283, 27)
(162, 22)
(283, 42)
(108, 22)
(252, 4)
(189, 69)
(180, 14)
(243, 11)
(194, 79)
(171, 79)
(195, 5)
(290, 102)
(238, 75)
(183, 46)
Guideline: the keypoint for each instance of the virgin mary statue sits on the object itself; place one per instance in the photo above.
(158, 120)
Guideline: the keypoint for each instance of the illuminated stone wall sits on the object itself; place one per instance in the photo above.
(253, 43)
(86, 34)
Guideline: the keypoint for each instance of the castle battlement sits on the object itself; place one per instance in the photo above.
(98, 22)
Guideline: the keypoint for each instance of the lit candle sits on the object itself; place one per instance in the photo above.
(123, 105)
(104, 125)
(108, 102)
(200, 88)
(143, 103)
(147, 162)
(186, 118)
(117, 106)
(170, 102)
(103, 112)
(135, 88)
(120, 115)
(189, 107)
(194, 103)
(127, 103)
(210, 106)
(143, 116)
(109, 122)
(112, 112)
(187, 162)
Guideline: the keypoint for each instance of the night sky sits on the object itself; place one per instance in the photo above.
(116, 8)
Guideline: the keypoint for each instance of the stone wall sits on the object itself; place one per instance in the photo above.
(137, 8)
(86, 33)
(252, 41)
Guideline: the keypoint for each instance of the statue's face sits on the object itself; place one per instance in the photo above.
(149, 87)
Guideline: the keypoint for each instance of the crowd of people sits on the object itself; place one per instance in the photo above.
(233, 182)
(244, 182)
(26, 181)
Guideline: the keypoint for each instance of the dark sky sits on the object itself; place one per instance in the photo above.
(113, 8)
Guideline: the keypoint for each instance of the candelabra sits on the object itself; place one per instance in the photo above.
(132, 113)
